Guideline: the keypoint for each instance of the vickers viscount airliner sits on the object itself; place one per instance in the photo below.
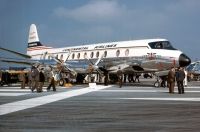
(147, 55)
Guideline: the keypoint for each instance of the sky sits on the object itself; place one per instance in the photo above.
(63, 23)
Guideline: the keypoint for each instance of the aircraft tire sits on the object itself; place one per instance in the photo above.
(157, 84)
(61, 82)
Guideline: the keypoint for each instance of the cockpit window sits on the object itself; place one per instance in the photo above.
(161, 45)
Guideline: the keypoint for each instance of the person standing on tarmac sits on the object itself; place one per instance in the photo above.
(30, 79)
(52, 82)
(179, 78)
(137, 77)
(171, 80)
(41, 80)
(22, 79)
(119, 75)
(106, 78)
(35, 78)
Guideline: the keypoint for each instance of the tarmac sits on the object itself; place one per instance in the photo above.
(80, 108)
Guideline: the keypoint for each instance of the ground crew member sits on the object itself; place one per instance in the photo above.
(30, 79)
(35, 78)
(119, 75)
(41, 80)
(179, 78)
(22, 78)
(105, 77)
(90, 70)
(171, 80)
(137, 77)
(52, 82)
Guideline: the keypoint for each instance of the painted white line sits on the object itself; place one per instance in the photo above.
(146, 91)
(191, 91)
(15, 90)
(13, 87)
(164, 99)
(18, 90)
(30, 103)
(12, 94)
(28, 87)
(189, 87)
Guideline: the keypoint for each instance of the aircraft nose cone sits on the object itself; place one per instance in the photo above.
(184, 60)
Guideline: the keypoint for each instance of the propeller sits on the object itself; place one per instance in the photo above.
(63, 64)
(95, 65)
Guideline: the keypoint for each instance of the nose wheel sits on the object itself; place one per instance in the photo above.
(61, 82)
(157, 84)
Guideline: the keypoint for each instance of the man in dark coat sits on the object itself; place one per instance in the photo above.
(171, 80)
(180, 76)
(120, 75)
(35, 78)
(41, 80)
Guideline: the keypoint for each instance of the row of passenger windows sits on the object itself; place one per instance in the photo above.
(97, 55)
(92, 55)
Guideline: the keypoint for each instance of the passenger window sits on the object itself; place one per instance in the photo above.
(85, 55)
(117, 53)
(78, 55)
(105, 54)
(92, 54)
(97, 54)
(61, 57)
(73, 55)
(127, 52)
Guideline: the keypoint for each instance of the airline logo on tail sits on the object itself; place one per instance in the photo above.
(33, 40)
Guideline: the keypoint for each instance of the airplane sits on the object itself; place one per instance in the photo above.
(146, 55)
(193, 71)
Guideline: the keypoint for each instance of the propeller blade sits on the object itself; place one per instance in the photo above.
(56, 59)
(64, 65)
(97, 62)
(68, 55)
(89, 60)
(99, 71)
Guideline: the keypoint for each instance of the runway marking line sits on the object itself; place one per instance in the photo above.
(163, 99)
(146, 91)
(34, 102)
(13, 94)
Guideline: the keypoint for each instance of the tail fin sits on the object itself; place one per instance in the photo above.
(33, 40)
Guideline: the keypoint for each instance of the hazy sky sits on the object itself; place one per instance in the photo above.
(74, 22)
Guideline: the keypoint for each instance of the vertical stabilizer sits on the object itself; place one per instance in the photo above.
(33, 39)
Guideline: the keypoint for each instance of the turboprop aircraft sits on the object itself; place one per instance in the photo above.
(194, 71)
(147, 55)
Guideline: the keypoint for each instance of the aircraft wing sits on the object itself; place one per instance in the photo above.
(16, 53)
(18, 61)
